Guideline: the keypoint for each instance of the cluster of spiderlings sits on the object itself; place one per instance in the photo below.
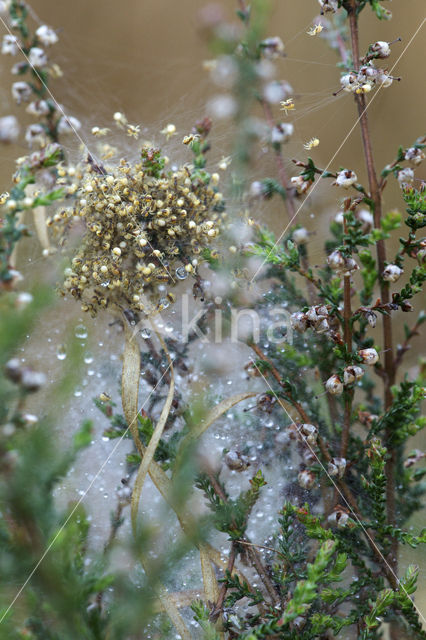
(145, 229)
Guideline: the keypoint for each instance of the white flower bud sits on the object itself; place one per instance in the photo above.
(306, 479)
(367, 219)
(300, 184)
(336, 467)
(46, 35)
(405, 176)
(369, 356)
(256, 189)
(299, 321)
(392, 273)
(23, 299)
(329, 5)
(300, 236)
(32, 380)
(281, 133)
(348, 82)
(351, 374)
(275, 91)
(334, 385)
(346, 178)
(310, 432)
(35, 134)
(124, 494)
(68, 125)
(336, 260)
(272, 48)
(384, 78)
(13, 369)
(38, 108)
(37, 58)
(10, 45)
(414, 155)
(322, 326)
(380, 49)
(235, 461)
(338, 518)
(21, 91)
(312, 315)
(9, 129)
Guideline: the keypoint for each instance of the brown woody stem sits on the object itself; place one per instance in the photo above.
(389, 362)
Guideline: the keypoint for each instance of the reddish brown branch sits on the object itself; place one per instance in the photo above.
(389, 362)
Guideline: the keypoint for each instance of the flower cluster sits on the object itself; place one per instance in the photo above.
(352, 373)
(51, 121)
(316, 317)
(145, 229)
(369, 76)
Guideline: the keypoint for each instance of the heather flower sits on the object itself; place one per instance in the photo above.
(351, 374)
(9, 129)
(300, 184)
(337, 467)
(35, 134)
(272, 48)
(392, 273)
(334, 385)
(38, 108)
(306, 479)
(68, 125)
(380, 49)
(46, 35)
(414, 155)
(21, 91)
(405, 176)
(328, 5)
(300, 236)
(309, 432)
(346, 178)
(281, 133)
(369, 356)
(349, 82)
(10, 45)
(37, 58)
(299, 321)
(276, 91)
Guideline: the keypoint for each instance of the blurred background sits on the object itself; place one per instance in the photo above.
(145, 58)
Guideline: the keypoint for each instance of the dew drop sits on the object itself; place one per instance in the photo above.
(61, 353)
(145, 333)
(181, 274)
(80, 332)
(88, 358)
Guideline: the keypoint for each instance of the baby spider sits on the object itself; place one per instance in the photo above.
(169, 131)
(313, 142)
(287, 105)
(96, 131)
(192, 137)
(133, 130)
(315, 30)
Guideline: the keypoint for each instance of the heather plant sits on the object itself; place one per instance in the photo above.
(324, 445)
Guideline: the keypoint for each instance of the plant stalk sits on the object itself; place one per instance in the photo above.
(389, 362)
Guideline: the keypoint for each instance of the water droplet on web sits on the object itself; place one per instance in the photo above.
(88, 358)
(80, 332)
(61, 353)
(78, 392)
(164, 303)
(145, 333)
(181, 274)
